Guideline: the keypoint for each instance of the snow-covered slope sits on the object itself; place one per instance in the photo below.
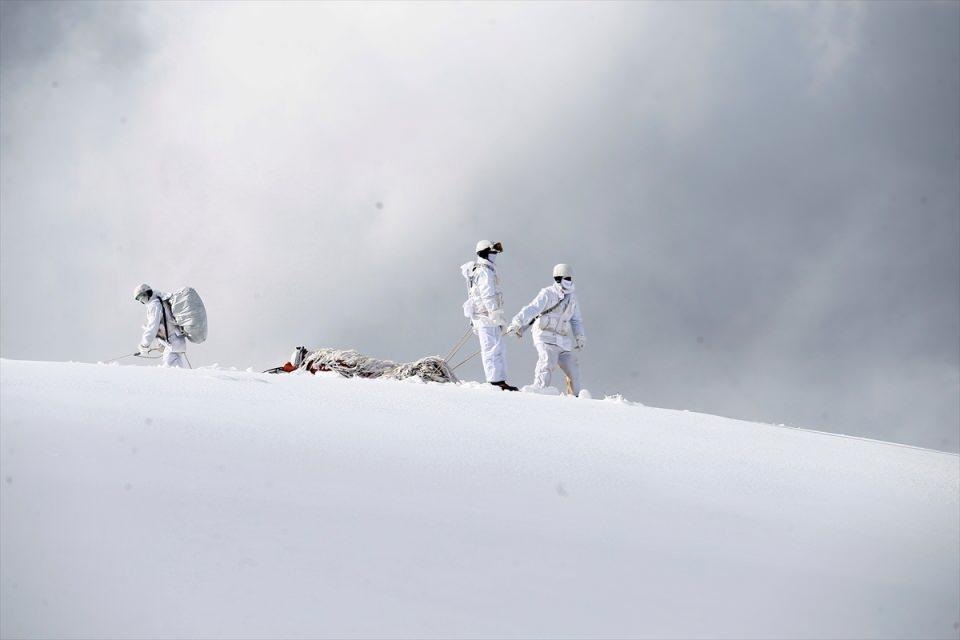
(152, 503)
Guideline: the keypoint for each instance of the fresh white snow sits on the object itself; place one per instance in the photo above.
(149, 503)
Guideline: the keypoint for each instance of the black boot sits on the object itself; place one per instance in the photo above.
(504, 386)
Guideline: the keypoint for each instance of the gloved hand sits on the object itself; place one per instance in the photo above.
(581, 340)
(514, 329)
(496, 317)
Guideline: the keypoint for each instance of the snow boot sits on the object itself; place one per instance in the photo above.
(504, 386)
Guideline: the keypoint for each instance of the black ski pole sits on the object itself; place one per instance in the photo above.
(129, 355)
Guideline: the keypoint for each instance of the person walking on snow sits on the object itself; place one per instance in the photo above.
(159, 327)
(557, 329)
(484, 308)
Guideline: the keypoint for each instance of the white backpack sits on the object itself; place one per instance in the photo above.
(189, 313)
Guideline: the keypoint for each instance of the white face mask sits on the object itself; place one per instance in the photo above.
(492, 257)
(567, 285)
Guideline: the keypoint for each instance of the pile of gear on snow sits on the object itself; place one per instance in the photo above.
(350, 363)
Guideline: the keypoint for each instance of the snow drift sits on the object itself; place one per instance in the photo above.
(141, 502)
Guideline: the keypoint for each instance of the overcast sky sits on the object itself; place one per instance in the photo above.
(761, 202)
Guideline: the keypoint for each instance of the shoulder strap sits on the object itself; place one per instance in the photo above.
(476, 265)
(546, 311)
(166, 325)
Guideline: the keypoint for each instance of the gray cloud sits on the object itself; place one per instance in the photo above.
(761, 202)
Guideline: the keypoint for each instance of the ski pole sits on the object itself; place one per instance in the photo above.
(132, 355)
(129, 355)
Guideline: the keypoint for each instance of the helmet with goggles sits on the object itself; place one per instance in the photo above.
(142, 293)
(489, 247)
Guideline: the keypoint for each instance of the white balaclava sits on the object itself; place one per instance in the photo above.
(564, 271)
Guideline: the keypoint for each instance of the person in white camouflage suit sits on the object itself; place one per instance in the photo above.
(484, 308)
(161, 327)
(557, 329)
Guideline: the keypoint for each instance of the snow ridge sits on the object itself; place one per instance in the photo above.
(143, 502)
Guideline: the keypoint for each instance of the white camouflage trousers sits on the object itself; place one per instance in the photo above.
(550, 355)
(492, 353)
(174, 359)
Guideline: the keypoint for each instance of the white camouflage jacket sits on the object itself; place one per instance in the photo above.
(484, 305)
(555, 314)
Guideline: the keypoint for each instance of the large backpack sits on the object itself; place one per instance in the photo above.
(189, 313)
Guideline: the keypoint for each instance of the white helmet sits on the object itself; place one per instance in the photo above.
(141, 290)
(563, 271)
(486, 245)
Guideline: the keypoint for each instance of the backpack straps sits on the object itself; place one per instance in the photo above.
(476, 265)
(472, 271)
(166, 327)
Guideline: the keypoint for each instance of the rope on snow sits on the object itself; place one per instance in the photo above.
(453, 351)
